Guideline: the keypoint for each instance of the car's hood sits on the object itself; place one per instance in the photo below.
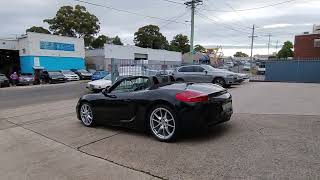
(86, 74)
(224, 71)
(57, 76)
(101, 82)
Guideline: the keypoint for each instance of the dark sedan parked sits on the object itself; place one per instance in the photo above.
(52, 77)
(156, 104)
(83, 74)
(4, 81)
(26, 79)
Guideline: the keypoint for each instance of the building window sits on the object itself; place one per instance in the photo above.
(138, 56)
(317, 43)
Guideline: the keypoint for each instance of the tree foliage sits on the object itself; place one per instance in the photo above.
(180, 43)
(150, 37)
(38, 29)
(102, 39)
(117, 41)
(286, 50)
(199, 48)
(240, 54)
(74, 22)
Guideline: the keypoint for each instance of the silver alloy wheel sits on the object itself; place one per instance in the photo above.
(162, 123)
(219, 82)
(86, 114)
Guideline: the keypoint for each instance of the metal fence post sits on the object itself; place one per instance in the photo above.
(113, 70)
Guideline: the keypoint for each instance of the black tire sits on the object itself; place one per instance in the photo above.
(83, 116)
(167, 126)
(220, 81)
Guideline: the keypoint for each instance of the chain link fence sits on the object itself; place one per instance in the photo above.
(130, 67)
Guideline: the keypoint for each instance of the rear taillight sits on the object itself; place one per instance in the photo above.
(192, 96)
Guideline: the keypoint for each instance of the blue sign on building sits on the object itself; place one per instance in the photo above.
(56, 46)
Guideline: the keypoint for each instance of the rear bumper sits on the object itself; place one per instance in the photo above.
(211, 113)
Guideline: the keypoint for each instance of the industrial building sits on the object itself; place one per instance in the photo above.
(101, 58)
(35, 51)
(307, 45)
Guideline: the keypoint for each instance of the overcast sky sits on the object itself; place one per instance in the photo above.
(216, 21)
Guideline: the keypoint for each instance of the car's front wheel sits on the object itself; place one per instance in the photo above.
(220, 81)
(163, 123)
(86, 115)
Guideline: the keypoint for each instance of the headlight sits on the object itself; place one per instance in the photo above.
(231, 76)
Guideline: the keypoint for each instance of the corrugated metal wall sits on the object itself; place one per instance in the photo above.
(293, 71)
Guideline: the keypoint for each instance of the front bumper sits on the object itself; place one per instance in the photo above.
(234, 81)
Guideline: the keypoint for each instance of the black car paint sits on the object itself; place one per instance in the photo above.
(48, 78)
(132, 109)
(4, 81)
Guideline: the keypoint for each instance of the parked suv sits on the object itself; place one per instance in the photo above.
(207, 74)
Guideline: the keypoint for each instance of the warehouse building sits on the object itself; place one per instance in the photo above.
(34, 51)
(101, 58)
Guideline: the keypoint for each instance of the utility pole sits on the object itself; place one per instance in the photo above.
(192, 4)
(277, 46)
(269, 44)
(252, 39)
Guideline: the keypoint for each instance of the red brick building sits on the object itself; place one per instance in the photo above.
(307, 46)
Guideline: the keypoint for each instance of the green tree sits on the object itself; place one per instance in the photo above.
(180, 43)
(240, 54)
(38, 29)
(100, 41)
(286, 50)
(150, 37)
(117, 41)
(74, 22)
(199, 48)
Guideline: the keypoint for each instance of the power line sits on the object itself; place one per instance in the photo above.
(130, 12)
(250, 9)
(223, 24)
(174, 19)
(175, 2)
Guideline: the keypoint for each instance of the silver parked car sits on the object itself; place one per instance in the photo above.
(207, 74)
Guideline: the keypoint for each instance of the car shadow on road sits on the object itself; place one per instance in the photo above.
(196, 133)
(201, 133)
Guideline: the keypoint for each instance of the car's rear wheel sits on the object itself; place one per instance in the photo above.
(220, 81)
(163, 123)
(86, 115)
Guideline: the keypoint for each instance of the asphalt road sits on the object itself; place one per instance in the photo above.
(273, 134)
(14, 97)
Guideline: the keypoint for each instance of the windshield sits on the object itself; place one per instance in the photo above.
(26, 74)
(54, 73)
(209, 68)
(83, 71)
(67, 72)
(108, 77)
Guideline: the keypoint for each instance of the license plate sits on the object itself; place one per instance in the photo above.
(227, 106)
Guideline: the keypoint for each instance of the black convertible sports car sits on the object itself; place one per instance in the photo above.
(156, 103)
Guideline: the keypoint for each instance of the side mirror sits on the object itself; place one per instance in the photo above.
(206, 72)
(105, 91)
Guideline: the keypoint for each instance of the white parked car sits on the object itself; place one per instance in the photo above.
(70, 76)
(261, 69)
(246, 67)
(99, 85)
